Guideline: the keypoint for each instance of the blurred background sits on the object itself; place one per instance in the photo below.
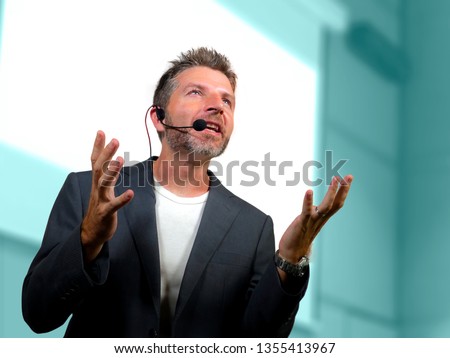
(364, 80)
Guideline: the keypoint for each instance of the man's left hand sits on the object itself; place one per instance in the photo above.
(299, 236)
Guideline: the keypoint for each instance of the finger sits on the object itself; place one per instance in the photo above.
(342, 193)
(102, 162)
(305, 217)
(99, 144)
(107, 153)
(325, 206)
(300, 223)
(120, 201)
(307, 210)
(299, 226)
(338, 201)
(347, 180)
(319, 214)
(111, 171)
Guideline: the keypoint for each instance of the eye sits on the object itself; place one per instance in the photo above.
(227, 102)
(195, 91)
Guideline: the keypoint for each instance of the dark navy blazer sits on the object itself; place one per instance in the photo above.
(230, 286)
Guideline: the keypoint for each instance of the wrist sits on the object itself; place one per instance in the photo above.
(294, 256)
(292, 268)
(90, 247)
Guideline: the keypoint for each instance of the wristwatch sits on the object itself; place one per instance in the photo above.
(297, 270)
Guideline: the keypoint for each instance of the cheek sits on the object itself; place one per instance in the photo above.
(180, 111)
(230, 125)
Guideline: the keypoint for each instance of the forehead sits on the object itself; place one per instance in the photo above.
(204, 76)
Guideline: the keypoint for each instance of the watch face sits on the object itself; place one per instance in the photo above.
(303, 262)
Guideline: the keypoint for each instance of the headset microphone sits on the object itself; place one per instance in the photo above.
(199, 124)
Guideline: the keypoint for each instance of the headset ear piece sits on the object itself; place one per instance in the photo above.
(160, 114)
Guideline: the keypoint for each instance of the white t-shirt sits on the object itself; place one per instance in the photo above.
(177, 220)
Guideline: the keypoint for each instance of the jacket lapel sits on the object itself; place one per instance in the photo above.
(218, 215)
(140, 214)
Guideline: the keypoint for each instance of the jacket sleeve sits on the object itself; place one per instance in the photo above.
(271, 308)
(58, 280)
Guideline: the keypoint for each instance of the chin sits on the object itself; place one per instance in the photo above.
(208, 149)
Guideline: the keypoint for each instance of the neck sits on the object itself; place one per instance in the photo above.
(183, 174)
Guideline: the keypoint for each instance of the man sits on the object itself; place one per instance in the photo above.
(162, 249)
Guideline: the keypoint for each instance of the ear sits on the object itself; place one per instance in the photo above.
(156, 122)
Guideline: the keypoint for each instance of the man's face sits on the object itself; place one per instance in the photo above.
(201, 93)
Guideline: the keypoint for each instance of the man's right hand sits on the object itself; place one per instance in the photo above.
(100, 222)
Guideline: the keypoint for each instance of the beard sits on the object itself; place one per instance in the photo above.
(181, 140)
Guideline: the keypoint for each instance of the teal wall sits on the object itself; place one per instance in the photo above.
(425, 287)
(29, 188)
(357, 253)
(384, 269)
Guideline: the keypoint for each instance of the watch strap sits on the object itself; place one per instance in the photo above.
(297, 270)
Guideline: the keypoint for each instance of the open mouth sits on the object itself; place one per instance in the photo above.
(213, 127)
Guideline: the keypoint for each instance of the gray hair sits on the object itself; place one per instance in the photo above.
(201, 56)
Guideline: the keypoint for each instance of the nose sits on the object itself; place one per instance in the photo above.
(215, 104)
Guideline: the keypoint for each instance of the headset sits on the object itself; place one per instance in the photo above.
(199, 124)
